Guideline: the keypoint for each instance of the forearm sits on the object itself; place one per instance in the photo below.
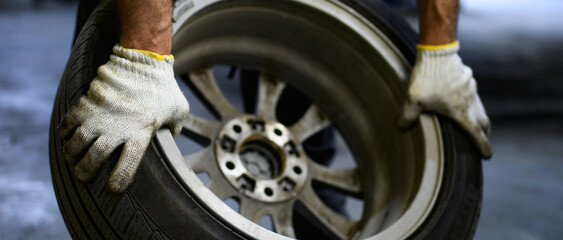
(437, 21)
(146, 25)
(439, 80)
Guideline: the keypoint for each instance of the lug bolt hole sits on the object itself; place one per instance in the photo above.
(237, 128)
(269, 192)
(230, 165)
(297, 170)
(278, 132)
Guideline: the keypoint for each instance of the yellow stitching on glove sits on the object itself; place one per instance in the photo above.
(152, 55)
(436, 47)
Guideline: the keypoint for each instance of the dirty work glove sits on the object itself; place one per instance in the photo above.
(441, 83)
(134, 94)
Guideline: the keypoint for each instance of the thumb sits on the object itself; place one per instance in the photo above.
(176, 129)
(411, 112)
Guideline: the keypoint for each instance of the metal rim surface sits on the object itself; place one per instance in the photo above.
(398, 174)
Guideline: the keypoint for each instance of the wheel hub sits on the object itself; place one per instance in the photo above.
(261, 158)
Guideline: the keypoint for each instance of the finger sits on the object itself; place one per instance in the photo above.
(95, 157)
(482, 117)
(477, 134)
(72, 119)
(68, 125)
(176, 124)
(123, 173)
(485, 124)
(411, 112)
(484, 145)
(79, 142)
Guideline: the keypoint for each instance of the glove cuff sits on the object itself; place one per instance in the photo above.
(142, 56)
(438, 50)
(442, 63)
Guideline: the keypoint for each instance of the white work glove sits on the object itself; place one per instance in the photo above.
(134, 94)
(441, 83)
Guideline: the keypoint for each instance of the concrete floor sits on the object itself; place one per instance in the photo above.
(513, 46)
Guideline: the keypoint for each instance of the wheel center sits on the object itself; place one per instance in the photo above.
(261, 159)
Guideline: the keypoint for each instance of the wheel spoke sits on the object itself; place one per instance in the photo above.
(268, 95)
(221, 188)
(347, 180)
(283, 220)
(201, 127)
(201, 161)
(313, 121)
(339, 225)
(206, 85)
(251, 210)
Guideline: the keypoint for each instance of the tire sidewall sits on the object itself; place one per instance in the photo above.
(159, 205)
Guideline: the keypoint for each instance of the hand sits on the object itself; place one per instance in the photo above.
(441, 83)
(134, 94)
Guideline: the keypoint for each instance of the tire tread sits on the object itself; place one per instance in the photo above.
(91, 211)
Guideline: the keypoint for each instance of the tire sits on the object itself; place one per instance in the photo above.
(161, 204)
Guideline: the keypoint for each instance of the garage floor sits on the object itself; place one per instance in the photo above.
(514, 47)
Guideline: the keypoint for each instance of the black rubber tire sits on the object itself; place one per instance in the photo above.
(156, 206)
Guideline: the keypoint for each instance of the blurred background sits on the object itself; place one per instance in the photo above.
(515, 48)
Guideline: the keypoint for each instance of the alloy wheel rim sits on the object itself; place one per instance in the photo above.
(312, 121)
